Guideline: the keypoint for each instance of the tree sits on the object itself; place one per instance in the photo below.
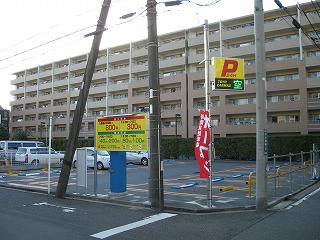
(4, 134)
(21, 135)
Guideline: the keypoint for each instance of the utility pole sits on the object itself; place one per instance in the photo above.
(261, 110)
(156, 166)
(78, 114)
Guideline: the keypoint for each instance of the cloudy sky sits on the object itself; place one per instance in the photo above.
(36, 32)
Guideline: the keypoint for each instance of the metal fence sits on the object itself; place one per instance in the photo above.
(288, 173)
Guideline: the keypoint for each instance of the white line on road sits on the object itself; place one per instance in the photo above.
(302, 199)
(151, 219)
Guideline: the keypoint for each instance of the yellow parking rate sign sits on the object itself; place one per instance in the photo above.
(122, 133)
(228, 74)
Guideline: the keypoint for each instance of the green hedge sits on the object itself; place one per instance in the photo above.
(242, 148)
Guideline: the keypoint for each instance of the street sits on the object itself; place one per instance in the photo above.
(29, 215)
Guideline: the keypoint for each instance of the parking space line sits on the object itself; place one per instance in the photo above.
(151, 219)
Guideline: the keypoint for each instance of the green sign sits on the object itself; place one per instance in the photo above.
(229, 84)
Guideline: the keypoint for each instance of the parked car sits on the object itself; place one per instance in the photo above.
(138, 157)
(9, 148)
(37, 155)
(103, 158)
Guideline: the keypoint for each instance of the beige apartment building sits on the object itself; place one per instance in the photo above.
(120, 82)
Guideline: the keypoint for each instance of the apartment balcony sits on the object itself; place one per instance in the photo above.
(313, 83)
(45, 74)
(31, 88)
(139, 68)
(98, 90)
(119, 71)
(60, 70)
(195, 58)
(118, 57)
(139, 53)
(17, 91)
(165, 47)
(313, 104)
(102, 61)
(42, 86)
(314, 126)
(97, 104)
(312, 61)
(118, 87)
(99, 75)
(78, 66)
(17, 81)
(168, 63)
(31, 77)
(293, 127)
(118, 102)
(59, 83)
(287, 106)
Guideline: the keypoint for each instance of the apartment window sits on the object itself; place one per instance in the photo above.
(61, 129)
(281, 78)
(315, 95)
(314, 117)
(171, 106)
(249, 81)
(120, 111)
(314, 74)
(284, 119)
(242, 121)
(242, 101)
(284, 98)
(171, 90)
(313, 54)
(239, 45)
(282, 58)
(118, 96)
(242, 26)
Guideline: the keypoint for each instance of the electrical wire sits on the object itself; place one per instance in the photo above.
(41, 45)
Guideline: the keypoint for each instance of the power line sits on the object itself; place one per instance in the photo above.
(41, 45)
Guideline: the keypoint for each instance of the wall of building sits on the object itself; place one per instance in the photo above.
(120, 82)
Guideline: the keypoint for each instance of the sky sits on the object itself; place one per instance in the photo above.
(37, 32)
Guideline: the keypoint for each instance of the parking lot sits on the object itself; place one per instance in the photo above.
(182, 186)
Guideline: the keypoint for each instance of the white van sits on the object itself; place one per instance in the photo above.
(8, 148)
(37, 155)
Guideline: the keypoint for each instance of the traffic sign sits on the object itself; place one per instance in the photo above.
(228, 74)
(122, 133)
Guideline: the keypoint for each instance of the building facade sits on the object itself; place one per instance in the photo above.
(120, 82)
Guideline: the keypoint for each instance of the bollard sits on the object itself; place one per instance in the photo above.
(250, 183)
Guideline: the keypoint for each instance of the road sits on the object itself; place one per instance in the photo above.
(29, 215)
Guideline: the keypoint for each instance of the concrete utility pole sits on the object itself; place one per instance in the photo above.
(78, 114)
(261, 115)
(156, 166)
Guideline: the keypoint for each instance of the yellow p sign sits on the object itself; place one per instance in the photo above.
(228, 68)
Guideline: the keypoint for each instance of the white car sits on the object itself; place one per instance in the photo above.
(138, 157)
(37, 155)
(103, 158)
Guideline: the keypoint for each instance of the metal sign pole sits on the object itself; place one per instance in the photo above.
(208, 102)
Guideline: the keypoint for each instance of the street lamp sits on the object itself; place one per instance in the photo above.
(176, 125)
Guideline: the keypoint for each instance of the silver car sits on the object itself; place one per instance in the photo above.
(138, 157)
(103, 158)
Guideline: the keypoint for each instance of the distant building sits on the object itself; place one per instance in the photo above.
(4, 118)
(120, 82)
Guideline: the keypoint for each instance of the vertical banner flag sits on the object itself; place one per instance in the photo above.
(201, 148)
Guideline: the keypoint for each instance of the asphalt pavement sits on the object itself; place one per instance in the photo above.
(183, 189)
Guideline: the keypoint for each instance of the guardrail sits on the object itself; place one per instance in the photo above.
(299, 165)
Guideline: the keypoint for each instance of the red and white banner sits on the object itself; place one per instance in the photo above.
(201, 147)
